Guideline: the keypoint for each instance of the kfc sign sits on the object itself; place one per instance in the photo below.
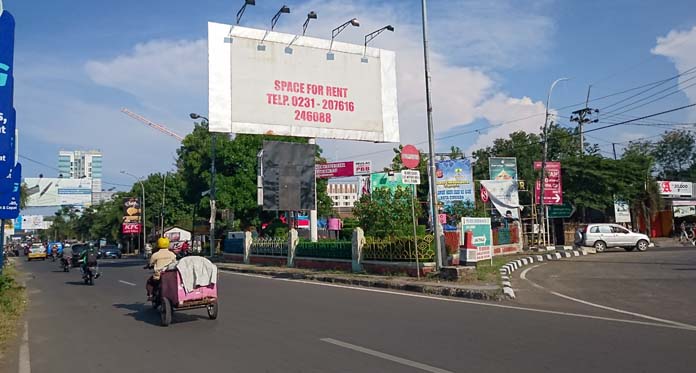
(675, 188)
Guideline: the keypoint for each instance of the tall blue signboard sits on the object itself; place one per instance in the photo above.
(10, 170)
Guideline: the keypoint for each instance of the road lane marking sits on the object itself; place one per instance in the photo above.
(454, 300)
(24, 357)
(382, 355)
(127, 283)
(523, 276)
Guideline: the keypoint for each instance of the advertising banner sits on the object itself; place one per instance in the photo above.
(266, 82)
(504, 196)
(553, 188)
(7, 112)
(682, 211)
(482, 238)
(9, 198)
(676, 189)
(343, 169)
(455, 181)
(131, 228)
(384, 180)
(502, 168)
(46, 191)
(32, 222)
(622, 214)
(131, 210)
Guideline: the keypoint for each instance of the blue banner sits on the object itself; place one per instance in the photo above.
(9, 201)
(455, 182)
(7, 112)
(11, 182)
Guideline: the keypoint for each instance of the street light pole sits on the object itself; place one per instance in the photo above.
(431, 143)
(142, 206)
(164, 195)
(544, 159)
(213, 208)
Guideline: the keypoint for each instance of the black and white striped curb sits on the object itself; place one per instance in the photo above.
(506, 270)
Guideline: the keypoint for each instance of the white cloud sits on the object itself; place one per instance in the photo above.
(164, 75)
(169, 78)
(680, 48)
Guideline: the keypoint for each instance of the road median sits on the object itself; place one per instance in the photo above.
(428, 286)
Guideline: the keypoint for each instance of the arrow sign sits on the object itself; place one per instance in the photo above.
(553, 189)
(565, 210)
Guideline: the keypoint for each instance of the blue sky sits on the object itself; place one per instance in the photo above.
(78, 63)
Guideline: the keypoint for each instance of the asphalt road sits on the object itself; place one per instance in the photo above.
(274, 325)
(660, 283)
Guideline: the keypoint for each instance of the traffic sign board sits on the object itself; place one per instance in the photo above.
(553, 188)
(410, 156)
(565, 210)
(410, 177)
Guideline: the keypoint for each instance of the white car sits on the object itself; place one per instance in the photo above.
(602, 236)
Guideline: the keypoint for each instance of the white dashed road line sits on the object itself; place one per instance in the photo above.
(127, 283)
(384, 356)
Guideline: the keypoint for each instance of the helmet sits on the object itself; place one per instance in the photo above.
(163, 243)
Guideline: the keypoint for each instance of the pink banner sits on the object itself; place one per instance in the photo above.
(334, 169)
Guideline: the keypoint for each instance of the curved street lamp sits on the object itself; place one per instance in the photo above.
(213, 209)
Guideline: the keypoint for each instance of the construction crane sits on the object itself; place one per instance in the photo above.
(152, 124)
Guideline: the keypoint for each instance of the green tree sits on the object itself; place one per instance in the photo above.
(674, 154)
(383, 213)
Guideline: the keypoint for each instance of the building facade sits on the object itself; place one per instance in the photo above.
(76, 164)
(344, 195)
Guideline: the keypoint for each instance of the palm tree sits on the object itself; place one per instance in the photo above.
(23, 197)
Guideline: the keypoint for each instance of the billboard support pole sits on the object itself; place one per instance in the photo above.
(313, 227)
(431, 143)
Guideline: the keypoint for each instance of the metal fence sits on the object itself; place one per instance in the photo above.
(399, 249)
(325, 249)
(270, 246)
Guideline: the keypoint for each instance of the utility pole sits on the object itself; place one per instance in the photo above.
(613, 146)
(431, 144)
(581, 117)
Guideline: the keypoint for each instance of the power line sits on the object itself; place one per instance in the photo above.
(57, 169)
(653, 95)
(651, 86)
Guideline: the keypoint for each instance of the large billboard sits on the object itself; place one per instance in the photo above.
(455, 181)
(265, 82)
(46, 191)
(385, 180)
(502, 168)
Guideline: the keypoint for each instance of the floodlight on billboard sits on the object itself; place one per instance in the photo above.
(259, 85)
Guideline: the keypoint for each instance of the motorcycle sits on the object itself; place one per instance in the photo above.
(66, 262)
(89, 274)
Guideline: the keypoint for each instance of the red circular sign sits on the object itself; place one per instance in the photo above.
(410, 156)
(484, 194)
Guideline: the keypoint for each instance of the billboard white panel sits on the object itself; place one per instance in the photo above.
(264, 82)
(58, 192)
(32, 222)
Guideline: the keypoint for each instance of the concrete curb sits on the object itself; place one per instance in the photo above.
(426, 288)
(507, 269)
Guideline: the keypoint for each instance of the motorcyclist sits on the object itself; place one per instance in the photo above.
(67, 254)
(158, 262)
(89, 259)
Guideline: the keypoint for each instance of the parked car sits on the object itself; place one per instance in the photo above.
(602, 236)
(37, 251)
(109, 251)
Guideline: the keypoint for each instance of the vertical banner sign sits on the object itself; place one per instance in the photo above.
(622, 213)
(455, 181)
(502, 168)
(131, 216)
(9, 198)
(553, 189)
(7, 112)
